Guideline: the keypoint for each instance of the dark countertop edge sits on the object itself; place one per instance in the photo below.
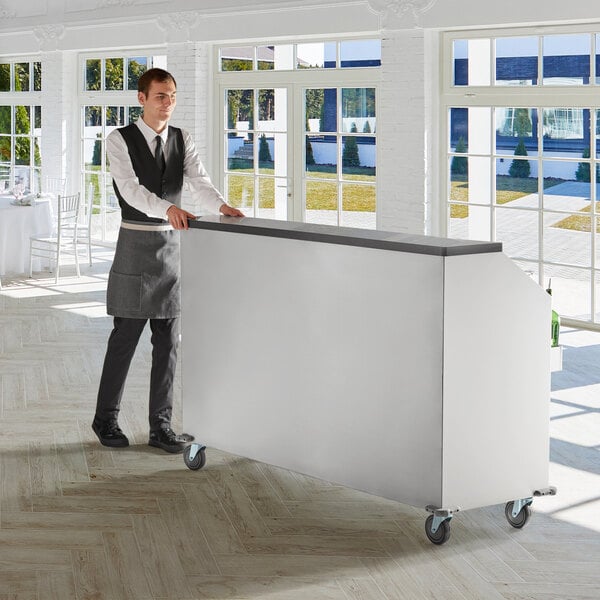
(346, 236)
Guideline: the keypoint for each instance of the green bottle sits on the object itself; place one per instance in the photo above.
(555, 325)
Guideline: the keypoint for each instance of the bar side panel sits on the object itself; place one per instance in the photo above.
(319, 358)
(496, 382)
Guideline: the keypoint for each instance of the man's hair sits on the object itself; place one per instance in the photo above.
(151, 75)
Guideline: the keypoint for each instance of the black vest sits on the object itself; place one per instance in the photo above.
(168, 186)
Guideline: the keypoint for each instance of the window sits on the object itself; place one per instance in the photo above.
(316, 55)
(108, 100)
(98, 122)
(340, 156)
(20, 124)
(256, 173)
(549, 60)
(20, 146)
(114, 74)
(520, 156)
(304, 147)
(20, 77)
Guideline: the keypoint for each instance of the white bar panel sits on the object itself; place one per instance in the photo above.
(496, 382)
(320, 358)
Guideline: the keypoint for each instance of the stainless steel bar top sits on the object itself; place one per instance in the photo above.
(347, 236)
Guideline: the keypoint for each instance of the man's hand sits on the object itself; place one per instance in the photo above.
(179, 217)
(229, 211)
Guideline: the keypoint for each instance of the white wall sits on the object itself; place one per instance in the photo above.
(60, 118)
(474, 13)
(55, 30)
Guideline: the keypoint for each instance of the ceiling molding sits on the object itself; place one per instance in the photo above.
(89, 27)
(5, 13)
(401, 14)
(177, 25)
(49, 36)
(115, 3)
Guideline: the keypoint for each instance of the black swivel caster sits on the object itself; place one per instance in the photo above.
(194, 456)
(441, 534)
(519, 519)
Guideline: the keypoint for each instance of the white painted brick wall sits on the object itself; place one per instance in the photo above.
(401, 133)
(180, 60)
(60, 118)
(53, 101)
(189, 64)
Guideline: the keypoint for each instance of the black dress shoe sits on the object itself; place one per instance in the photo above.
(168, 440)
(109, 433)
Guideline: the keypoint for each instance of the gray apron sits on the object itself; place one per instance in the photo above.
(143, 282)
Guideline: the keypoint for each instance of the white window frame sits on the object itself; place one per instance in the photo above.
(29, 99)
(543, 95)
(296, 81)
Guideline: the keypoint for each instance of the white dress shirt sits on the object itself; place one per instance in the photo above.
(140, 197)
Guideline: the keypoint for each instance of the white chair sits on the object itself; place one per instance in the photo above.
(54, 185)
(84, 222)
(84, 231)
(65, 238)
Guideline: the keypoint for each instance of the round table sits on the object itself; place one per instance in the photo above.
(17, 224)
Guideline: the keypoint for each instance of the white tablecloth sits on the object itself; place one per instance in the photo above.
(17, 224)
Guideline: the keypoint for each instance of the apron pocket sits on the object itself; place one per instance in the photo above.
(124, 292)
(160, 295)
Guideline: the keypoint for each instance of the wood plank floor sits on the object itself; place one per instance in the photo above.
(80, 521)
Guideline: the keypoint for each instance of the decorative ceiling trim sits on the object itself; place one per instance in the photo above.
(48, 36)
(177, 25)
(115, 3)
(401, 14)
(5, 13)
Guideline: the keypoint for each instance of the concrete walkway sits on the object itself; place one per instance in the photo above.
(519, 230)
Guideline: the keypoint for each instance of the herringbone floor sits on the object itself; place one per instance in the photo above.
(80, 521)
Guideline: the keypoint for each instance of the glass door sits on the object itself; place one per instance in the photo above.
(302, 153)
(340, 156)
(298, 130)
(256, 151)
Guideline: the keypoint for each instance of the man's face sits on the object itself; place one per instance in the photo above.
(160, 101)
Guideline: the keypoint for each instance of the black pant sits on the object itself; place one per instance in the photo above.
(120, 350)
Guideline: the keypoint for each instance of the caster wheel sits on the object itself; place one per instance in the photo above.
(197, 462)
(441, 535)
(521, 518)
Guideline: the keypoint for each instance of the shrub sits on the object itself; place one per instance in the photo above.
(350, 156)
(310, 159)
(520, 168)
(264, 154)
(583, 169)
(96, 156)
(460, 164)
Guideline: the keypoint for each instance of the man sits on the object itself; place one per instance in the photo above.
(148, 162)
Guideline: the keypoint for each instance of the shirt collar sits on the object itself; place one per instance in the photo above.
(149, 133)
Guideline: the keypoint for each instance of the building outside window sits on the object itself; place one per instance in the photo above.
(520, 144)
(20, 125)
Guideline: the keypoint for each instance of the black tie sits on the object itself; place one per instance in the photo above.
(159, 156)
